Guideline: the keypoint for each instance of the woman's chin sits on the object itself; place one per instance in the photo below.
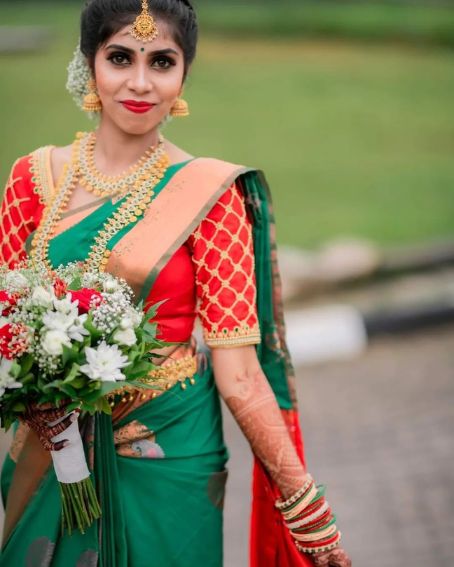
(138, 127)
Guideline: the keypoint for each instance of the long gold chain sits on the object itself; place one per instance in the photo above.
(129, 211)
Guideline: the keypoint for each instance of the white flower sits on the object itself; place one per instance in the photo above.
(67, 306)
(77, 331)
(111, 285)
(16, 281)
(57, 321)
(126, 337)
(53, 342)
(90, 279)
(136, 317)
(42, 297)
(6, 380)
(104, 363)
(126, 323)
(131, 319)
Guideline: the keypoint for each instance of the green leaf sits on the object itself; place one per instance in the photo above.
(153, 309)
(26, 363)
(79, 383)
(103, 406)
(19, 407)
(70, 354)
(108, 387)
(145, 385)
(72, 374)
(76, 284)
(69, 390)
(28, 379)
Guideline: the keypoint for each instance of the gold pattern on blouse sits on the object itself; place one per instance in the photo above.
(14, 217)
(213, 284)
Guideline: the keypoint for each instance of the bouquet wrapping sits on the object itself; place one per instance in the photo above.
(70, 339)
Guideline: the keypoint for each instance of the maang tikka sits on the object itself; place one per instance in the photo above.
(144, 28)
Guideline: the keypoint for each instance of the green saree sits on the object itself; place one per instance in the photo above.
(162, 508)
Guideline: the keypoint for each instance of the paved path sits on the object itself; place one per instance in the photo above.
(380, 433)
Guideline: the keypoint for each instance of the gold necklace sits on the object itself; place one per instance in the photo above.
(107, 186)
(129, 211)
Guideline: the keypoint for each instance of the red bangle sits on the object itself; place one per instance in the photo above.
(318, 523)
(310, 510)
(323, 543)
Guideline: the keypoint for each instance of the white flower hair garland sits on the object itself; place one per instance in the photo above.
(79, 74)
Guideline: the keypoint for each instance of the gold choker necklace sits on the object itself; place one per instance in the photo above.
(108, 186)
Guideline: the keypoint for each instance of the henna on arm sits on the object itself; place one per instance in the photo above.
(253, 404)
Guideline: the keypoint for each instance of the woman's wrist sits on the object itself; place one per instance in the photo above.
(294, 486)
(309, 518)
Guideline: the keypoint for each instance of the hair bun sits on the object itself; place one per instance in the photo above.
(188, 4)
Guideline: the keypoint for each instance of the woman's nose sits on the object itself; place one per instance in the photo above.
(140, 81)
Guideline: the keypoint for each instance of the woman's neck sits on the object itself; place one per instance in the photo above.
(116, 151)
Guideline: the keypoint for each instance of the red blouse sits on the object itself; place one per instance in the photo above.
(212, 275)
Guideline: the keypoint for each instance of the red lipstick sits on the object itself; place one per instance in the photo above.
(139, 107)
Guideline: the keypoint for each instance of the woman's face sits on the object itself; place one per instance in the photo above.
(137, 82)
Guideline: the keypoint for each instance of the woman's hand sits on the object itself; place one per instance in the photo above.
(42, 417)
(334, 558)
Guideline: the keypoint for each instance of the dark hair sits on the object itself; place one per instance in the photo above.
(103, 18)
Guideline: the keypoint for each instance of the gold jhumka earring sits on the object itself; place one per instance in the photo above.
(180, 109)
(144, 28)
(92, 102)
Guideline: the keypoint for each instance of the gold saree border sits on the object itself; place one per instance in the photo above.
(169, 221)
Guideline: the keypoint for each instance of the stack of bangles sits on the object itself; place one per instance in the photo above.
(310, 520)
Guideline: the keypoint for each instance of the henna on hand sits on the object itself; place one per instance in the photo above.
(42, 417)
(334, 558)
(255, 408)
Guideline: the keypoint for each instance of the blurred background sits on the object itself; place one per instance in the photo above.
(349, 108)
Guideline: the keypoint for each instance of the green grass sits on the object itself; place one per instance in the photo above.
(355, 140)
(367, 21)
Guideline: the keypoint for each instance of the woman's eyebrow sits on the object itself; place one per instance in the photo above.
(167, 51)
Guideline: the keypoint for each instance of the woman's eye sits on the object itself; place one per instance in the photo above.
(163, 62)
(119, 58)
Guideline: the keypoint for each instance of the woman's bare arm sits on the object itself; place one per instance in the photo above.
(245, 389)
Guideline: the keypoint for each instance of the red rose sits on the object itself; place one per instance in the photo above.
(10, 299)
(85, 297)
(60, 288)
(6, 336)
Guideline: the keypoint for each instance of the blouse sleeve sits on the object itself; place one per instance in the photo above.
(223, 257)
(20, 209)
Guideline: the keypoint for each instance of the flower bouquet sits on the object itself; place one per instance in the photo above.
(70, 338)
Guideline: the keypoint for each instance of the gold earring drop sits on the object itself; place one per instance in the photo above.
(92, 102)
(180, 108)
